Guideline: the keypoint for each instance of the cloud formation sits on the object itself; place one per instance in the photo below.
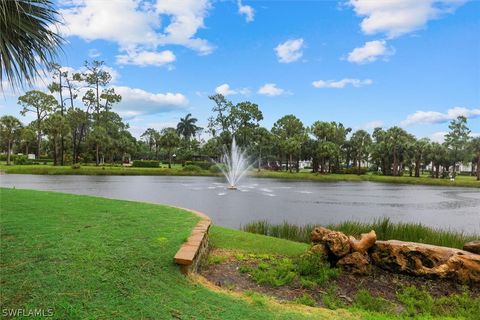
(289, 51)
(137, 102)
(428, 117)
(246, 10)
(136, 26)
(398, 17)
(370, 52)
(271, 89)
(147, 58)
(340, 84)
(224, 89)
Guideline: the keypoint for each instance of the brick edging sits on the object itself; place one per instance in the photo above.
(190, 253)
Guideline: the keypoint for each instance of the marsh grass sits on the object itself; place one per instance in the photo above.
(385, 229)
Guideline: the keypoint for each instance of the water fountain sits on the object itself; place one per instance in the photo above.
(235, 165)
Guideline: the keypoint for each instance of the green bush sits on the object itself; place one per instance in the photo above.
(146, 163)
(364, 300)
(205, 165)
(192, 168)
(277, 274)
(314, 267)
(415, 301)
(305, 299)
(20, 160)
(76, 166)
(216, 168)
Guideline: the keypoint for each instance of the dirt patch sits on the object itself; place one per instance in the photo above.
(379, 283)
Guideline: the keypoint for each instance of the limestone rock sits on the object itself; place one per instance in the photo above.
(472, 246)
(426, 260)
(367, 240)
(317, 234)
(356, 263)
(319, 248)
(337, 243)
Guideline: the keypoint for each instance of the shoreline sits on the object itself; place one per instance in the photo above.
(461, 181)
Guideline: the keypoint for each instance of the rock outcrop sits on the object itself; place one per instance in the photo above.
(418, 259)
(426, 260)
(472, 246)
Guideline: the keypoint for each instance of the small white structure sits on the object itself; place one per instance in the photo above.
(31, 156)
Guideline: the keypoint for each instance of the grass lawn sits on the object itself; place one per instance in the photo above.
(95, 258)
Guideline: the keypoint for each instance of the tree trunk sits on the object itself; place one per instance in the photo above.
(417, 169)
(478, 166)
(97, 160)
(55, 152)
(437, 170)
(395, 163)
(290, 163)
(9, 147)
(169, 160)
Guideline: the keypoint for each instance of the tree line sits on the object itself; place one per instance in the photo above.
(74, 123)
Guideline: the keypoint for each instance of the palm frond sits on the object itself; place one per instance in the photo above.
(28, 41)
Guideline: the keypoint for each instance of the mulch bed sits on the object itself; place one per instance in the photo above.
(379, 283)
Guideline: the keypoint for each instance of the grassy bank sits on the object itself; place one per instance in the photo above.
(385, 229)
(178, 170)
(94, 258)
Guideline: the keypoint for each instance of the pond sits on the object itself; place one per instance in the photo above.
(275, 200)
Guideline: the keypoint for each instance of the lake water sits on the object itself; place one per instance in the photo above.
(279, 200)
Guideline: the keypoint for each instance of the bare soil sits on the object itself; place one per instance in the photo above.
(379, 283)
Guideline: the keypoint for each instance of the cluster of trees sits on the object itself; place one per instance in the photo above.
(69, 133)
(73, 122)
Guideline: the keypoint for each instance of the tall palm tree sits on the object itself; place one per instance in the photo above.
(186, 127)
(28, 41)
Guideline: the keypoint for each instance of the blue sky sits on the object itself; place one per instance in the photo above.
(364, 63)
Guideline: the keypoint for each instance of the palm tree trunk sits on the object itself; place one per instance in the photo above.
(97, 161)
(290, 162)
(169, 160)
(55, 152)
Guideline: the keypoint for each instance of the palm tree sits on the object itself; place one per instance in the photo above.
(27, 39)
(9, 129)
(186, 127)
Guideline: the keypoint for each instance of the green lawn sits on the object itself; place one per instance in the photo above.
(177, 170)
(95, 258)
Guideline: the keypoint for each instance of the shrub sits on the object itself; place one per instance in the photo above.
(277, 274)
(20, 160)
(76, 166)
(415, 301)
(314, 267)
(330, 299)
(216, 168)
(146, 163)
(205, 165)
(364, 300)
(192, 168)
(305, 299)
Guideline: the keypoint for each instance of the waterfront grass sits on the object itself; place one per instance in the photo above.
(384, 228)
(177, 170)
(94, 258)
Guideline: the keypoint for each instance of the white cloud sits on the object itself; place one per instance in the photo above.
(370, 52)
(145, 58)
(224, 89)
(140, 102)
(94, 53)
(398, 17)
(136, 26)
(426, 117)
(340, 84)
(246, 10)
(271, 89)
(438, 136)
(373, 124)
(290, 50)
